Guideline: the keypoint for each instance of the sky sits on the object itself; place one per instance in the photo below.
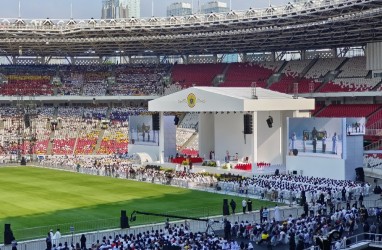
(84, 9)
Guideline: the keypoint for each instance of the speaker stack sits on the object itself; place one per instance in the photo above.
(156, 126)
(225, 207)
(124, 220)
(359, 175)
(248, 126)
(8, 234)
(23, 161)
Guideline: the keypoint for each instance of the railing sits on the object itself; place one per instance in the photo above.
(374, 145)
(113, 223)
(270, 12)
(195, 226)
(373, 132)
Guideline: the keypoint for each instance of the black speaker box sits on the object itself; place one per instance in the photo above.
(248, 126)
(294, 172)
(225, 207)
(23, 161)
(124, 220)
(295, 152)
(270, 121)
(156, 125)
(359, 175)
(123, 213)
(277, 172)
(8, 234)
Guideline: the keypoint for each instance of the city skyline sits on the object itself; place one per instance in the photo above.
(83, 9)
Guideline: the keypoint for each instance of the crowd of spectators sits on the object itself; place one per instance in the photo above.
(319, 218)
(291, 187)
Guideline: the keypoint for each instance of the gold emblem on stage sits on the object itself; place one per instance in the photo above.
(191, 100)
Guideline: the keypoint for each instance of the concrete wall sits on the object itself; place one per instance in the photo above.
(206, 134)
(269, 140)
(332, 168)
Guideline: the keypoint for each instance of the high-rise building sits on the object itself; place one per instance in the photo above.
(179, 9)
(114, 9)
(215, 7)
(134, 7)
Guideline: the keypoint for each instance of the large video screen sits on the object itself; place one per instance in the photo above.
(141, 131)
(355, 126)
(323, 137)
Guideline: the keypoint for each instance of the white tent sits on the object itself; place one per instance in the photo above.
(221, 120)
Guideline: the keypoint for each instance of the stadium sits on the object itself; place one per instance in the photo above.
(148, 133)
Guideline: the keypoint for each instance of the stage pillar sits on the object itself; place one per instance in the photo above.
(253, 142)
(161, 138)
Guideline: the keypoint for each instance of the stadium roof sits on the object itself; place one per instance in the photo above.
(220, 99)
(312, 25)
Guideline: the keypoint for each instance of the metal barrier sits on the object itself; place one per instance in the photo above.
(195, 226)
(98, 226)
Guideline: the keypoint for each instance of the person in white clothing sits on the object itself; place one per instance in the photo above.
(56, 237)
(244, 204)
(277, 214)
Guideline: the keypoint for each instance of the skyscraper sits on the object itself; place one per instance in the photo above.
(215, 7)
(179, 9)
(134, 7)
(114, 9)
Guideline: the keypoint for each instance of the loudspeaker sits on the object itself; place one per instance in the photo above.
(156, 125)
(225, 207)
(176, 120)
(248, 126)
(123, 213)
(124, 220)
(270, 121)
(295, 152)
(294, 172)
(277, 172)
(23, 161)
(8, 234)
(27, 121)
(359, 175)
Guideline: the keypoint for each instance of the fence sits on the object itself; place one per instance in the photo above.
(98, 227)
(195, 226)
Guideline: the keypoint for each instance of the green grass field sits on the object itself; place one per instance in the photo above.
(33, 200)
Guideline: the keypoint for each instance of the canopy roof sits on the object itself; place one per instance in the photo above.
(217, 99)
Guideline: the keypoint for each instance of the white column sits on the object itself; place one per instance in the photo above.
(206, 134)
(254, 142)
(161, 138)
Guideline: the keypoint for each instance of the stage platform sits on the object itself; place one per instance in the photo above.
(198, 168)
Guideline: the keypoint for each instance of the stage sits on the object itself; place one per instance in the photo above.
(198, 168)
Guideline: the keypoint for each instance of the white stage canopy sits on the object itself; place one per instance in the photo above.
(216, 99)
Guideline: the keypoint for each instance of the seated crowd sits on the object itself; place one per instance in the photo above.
(317, 196)
(290, 187)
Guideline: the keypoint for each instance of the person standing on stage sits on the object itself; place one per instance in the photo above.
(324, 144)
(314, 142)
(334, 143)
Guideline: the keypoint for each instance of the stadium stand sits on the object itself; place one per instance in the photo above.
(186, 77)
(244, 74)
(348, 110)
